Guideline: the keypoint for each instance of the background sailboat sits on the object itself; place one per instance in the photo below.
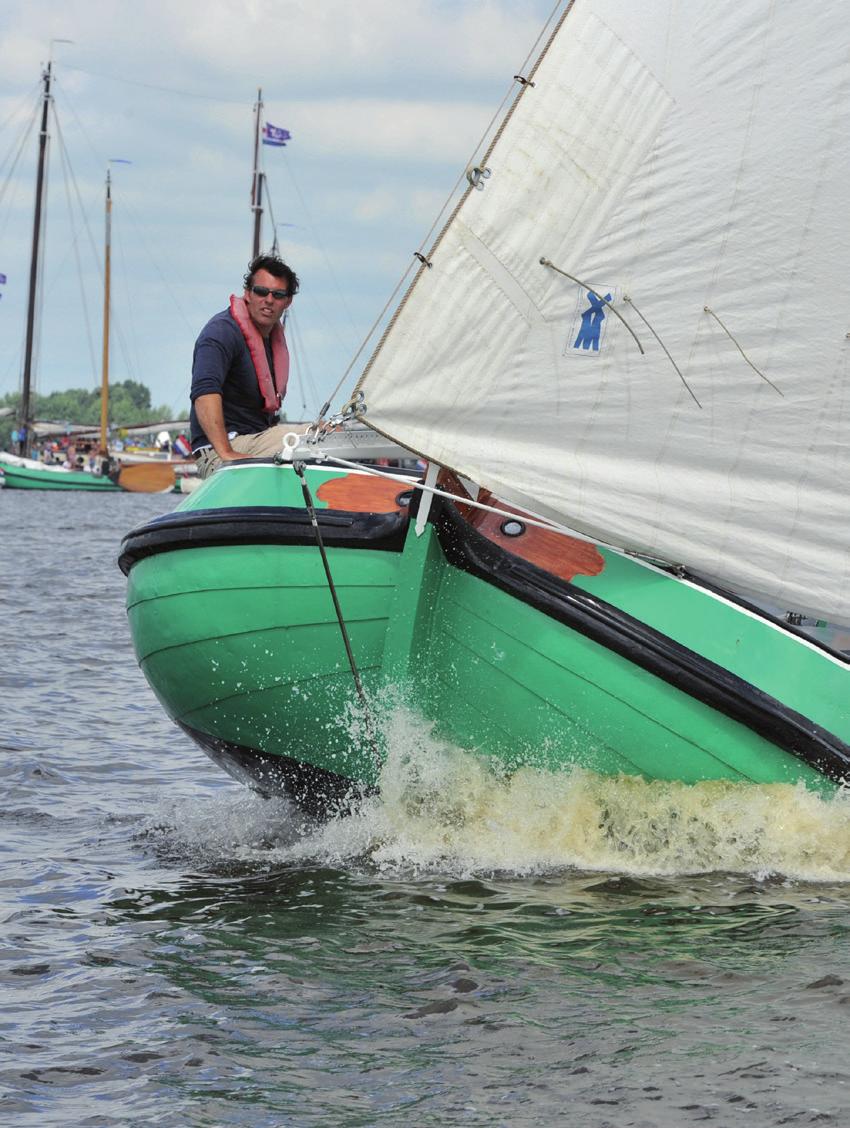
(19, 471)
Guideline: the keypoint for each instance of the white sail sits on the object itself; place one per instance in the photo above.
(695, 160)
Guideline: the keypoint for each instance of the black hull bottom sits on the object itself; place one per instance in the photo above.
(318, 793)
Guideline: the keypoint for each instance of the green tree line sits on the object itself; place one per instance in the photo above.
(129, 404)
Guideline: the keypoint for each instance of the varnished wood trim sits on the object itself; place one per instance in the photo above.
(363, 493)
(560, 555)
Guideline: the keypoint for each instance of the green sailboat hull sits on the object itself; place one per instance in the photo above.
(28, 478)
(626, 671)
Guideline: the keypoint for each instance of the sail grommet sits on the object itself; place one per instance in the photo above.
(422, 259)
(476, 175)
(522, 80)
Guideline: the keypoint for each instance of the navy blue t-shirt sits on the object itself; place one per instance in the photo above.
(222, 364)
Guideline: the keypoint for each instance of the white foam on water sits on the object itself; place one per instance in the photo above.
(232, 824)
(441, 810)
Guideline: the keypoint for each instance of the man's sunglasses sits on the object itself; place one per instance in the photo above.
(264, 291)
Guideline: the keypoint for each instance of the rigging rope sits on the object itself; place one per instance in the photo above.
(127, 348)
(287, 164)
(73, 180)
(599, 297)
(145, 240)
(741, 351)
(538, 523)
(66, 170)
(298, 467)
(151, 86)
(25, 136)
(35, 90)
(626, 298)
(523, 82)
(129, 341)
(301, 363)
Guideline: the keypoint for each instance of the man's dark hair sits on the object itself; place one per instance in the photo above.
(275, 266)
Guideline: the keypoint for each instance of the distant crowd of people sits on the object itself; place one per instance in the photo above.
(66, 453)
(72, 454)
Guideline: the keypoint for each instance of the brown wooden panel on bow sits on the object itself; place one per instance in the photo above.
(363, 493)
(561, 555)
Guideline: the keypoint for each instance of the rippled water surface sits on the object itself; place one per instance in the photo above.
(465, 951)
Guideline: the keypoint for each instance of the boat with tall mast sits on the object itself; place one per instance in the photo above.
(626, 555)
(19, 471)
(258, 178)
(32, 292)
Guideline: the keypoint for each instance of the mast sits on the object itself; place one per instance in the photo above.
(26, 389)
(107, 266)
(257, 183)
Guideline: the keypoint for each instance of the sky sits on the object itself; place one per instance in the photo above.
(385, 100)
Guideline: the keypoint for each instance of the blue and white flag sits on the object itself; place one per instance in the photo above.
(274, 135)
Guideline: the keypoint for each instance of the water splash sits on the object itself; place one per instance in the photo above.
(441, 810)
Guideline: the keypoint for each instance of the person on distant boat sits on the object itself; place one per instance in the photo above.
(240, 370)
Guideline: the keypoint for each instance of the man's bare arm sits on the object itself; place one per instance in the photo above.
(211, 418)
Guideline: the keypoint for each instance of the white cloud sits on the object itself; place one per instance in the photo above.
(385, 100)
(371, 41)
(382, 204)
(421, 131)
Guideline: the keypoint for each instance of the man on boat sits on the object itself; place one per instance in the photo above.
(240, 369)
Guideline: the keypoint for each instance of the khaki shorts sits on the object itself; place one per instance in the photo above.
(266, 444)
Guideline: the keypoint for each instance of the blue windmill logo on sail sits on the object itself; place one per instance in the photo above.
(590, 321)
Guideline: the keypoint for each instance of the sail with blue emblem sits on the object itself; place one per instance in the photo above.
(637, 324)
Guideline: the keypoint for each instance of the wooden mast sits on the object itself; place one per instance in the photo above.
(107, 272)
(257, 185)
(26, 388)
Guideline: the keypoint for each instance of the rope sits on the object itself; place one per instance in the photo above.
(300, 371)
(666, 350)
(363, 344)
(67, 176)
(26, 101)
(288, 162)
(97, 256)
(17, 147)
(599, 297)
(541, 523)
(162, 89)
(741, 351)
(298, 467)
(15, 157)
(524, 82)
